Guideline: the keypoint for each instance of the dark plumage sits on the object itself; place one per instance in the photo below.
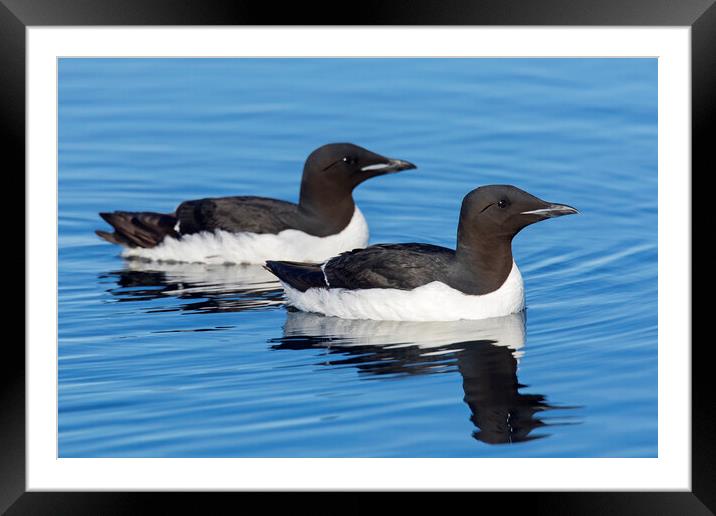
(376, 266)
(141, 229)
(301, 276)
(390, 266)
(237, 214)
(325, 205)
(490, 217)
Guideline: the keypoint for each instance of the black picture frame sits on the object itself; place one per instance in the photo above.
(17, 15)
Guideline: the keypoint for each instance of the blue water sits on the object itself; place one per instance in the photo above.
(184, 361)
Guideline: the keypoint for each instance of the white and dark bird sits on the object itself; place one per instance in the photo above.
(423, 282)
(245, 229)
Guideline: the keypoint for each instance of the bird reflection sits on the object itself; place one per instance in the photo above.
(486, 353)
(206, 288)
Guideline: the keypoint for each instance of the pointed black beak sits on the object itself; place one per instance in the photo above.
(551, 210)
(390, 166)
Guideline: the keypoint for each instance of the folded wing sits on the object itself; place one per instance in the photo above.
(399, 266)
(237, 214)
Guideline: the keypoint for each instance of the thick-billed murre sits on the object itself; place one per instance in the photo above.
(324, 223)
(423, 282)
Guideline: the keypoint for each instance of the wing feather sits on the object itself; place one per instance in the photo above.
(237, 214)
(400, 266)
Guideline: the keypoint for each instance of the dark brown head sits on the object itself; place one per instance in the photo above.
(490, 217)
(330, 174)
(501, 211)
(337, 168)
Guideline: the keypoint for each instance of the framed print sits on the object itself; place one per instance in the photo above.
(190, 341)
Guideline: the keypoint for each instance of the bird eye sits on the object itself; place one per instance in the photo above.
(502, 203)
(350, 160)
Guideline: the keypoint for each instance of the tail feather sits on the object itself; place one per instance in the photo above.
(300, 276)
(138, 229)
(112, 238)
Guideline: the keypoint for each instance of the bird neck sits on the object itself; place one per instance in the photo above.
(483, 261)
(324, 211)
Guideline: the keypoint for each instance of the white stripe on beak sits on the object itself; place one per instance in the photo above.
(554, 210)
(537, 212)
(377, 166)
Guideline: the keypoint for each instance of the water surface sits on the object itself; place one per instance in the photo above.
(171, 360)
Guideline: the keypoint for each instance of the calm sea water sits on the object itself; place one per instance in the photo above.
(189, 361)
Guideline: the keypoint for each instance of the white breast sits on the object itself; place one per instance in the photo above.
(434, 301)
(241, 248)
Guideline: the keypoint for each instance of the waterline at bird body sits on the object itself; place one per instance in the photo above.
(219, 247)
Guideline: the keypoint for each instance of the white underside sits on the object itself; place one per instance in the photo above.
(223, 247)
(434, 301)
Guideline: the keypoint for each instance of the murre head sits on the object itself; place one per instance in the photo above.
(330, 174)
(501, 211)
(343, 166)
(490, 217)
